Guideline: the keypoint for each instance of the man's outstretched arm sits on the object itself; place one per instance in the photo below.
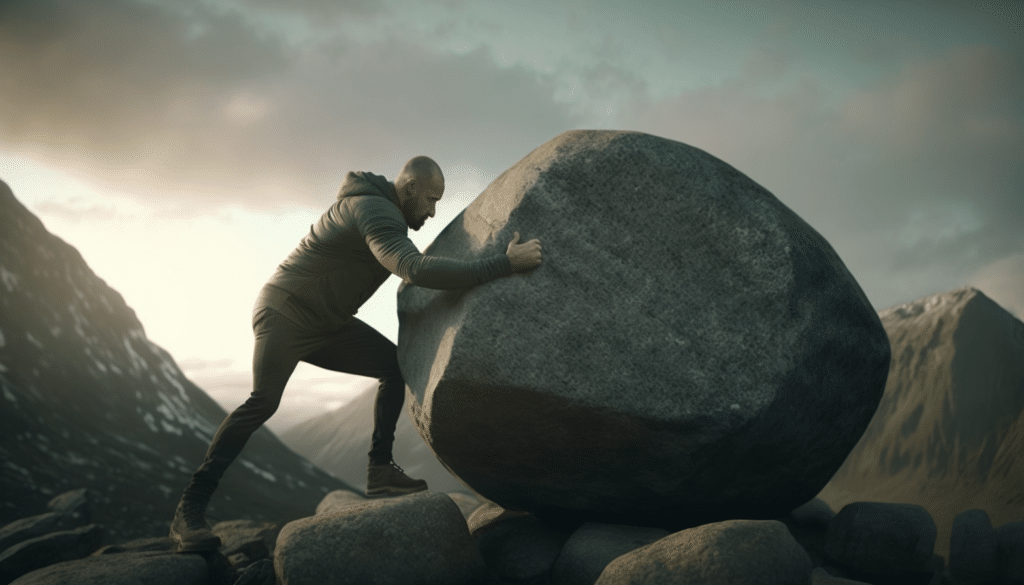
(385, 234)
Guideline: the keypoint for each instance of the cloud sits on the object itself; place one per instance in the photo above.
(169, 102)
(915, 180)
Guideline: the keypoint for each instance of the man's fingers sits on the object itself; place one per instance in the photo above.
(515, 238)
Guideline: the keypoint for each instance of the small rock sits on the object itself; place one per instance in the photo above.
(883, 538)
(337, 500)
(240, 561)
(255, 539)
(76, 504)
(973, 547)
(42, 551)
(589, 550)
(419, 538)
(31, 527)
(488, 513)
(132, 568)
(259, 573)
(737, 552)
(518, 547)
(1011, 553)
(466, 503)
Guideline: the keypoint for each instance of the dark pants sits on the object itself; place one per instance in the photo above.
(356, 349)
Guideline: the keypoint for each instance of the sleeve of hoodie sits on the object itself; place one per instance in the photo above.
(385, 232)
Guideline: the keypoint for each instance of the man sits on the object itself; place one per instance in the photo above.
(306, 311)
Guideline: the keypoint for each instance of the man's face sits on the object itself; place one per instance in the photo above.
(420, 204)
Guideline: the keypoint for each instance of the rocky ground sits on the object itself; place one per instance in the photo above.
(438, 538)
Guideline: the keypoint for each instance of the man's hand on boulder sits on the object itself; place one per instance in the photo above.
(523, 256)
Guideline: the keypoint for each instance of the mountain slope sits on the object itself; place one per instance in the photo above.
(949, 431)
(88, 401)
(339, 441)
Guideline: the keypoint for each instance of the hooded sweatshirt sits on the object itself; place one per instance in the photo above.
(352, 249)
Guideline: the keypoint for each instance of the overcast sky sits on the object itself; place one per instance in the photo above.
(184, 147)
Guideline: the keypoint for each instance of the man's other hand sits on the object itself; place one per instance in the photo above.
(523, 256)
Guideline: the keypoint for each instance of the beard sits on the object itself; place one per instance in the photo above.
(409, 211)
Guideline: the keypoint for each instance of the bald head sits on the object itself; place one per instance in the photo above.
(422, 170)
(419, 186)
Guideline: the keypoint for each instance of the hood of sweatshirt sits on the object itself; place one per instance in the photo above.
(364, 183)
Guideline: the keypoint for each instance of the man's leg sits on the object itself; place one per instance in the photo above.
(361, 350)
(274, 359)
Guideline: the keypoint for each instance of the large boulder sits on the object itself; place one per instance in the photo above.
(689, 351)
(418, 538)
(738, 552)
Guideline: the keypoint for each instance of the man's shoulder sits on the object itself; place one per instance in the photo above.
(367, 209)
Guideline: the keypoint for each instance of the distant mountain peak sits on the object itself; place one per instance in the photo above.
(937, 303)
(948, 431)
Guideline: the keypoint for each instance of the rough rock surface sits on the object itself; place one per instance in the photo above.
(589, 550)
(339, 499)
(685, 324)
(137, 568)
(32, 527)
(419, 538)
(48, 549)
(738, 552)
(890, 539)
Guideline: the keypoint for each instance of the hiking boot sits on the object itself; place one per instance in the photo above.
(189, 529)
(389, 480)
